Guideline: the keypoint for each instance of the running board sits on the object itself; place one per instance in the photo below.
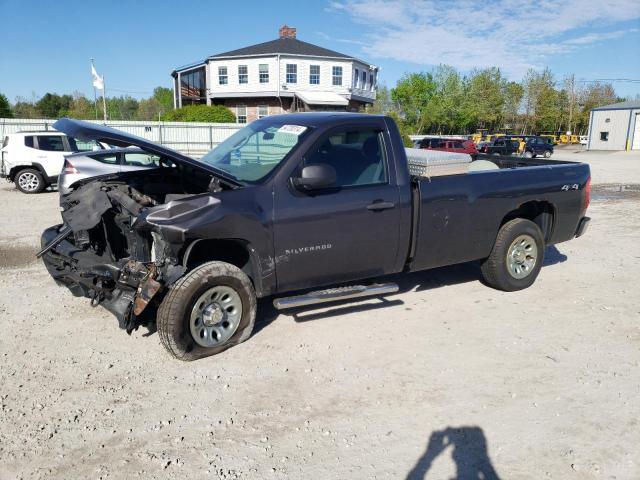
(333, 294)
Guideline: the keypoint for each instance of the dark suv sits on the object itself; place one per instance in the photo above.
(538, 146)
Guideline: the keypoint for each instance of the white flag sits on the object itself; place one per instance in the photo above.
(98, 81)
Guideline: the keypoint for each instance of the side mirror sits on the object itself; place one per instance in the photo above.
(314, 177)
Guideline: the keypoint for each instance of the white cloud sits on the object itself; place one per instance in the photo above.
(511, 34)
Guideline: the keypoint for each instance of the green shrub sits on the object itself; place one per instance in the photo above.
(200, 113)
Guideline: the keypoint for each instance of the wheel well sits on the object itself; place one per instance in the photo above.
(540, 213)
(235, 252)
(15, 170)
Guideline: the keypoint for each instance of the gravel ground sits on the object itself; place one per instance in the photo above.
(447, 376)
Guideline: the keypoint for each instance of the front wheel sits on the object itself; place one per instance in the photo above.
(547, 153)
(516, 258)
(528, 154)
(30, 180)
(209, 310)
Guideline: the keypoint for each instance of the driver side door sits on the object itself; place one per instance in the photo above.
(347, 231)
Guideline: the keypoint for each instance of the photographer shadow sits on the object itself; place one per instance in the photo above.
(469, 454)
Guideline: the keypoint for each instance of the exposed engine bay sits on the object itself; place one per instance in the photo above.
(124, 236)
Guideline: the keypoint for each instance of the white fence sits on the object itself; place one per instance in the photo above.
(194, 139)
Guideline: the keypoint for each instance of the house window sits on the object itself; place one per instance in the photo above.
(363, 85)
(604, 136)
(243, 75)
(314, 75)
(263, 111)
(336, 75)
(292, 73)
(263, 70)
(223, 78)
(241, 114)
(356, 78)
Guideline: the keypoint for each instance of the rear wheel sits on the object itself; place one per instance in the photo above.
(517, 256)
(207, 311)
(528, 154)
(30, 180)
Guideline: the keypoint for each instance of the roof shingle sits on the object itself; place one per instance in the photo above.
(291, 46)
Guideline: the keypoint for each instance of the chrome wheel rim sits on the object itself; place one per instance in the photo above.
(215, 316)
(28, 181)
(522, 256)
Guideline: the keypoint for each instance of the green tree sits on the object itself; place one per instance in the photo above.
(164, 96)
(5, 107)
(412, 95)
(52, 105)
(200, 113)
(485, 94)
(81, 107)
(383, 103)
(24, 108)
(512, 93)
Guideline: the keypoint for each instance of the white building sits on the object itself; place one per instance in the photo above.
(615, 127)
(283, 75)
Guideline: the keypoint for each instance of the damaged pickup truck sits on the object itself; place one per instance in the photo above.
(291, 203)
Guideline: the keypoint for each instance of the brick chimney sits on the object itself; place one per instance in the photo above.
(287, 32)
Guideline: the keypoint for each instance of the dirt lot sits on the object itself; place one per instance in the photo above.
(447, 376)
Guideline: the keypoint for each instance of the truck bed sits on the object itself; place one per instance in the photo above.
(456, 217)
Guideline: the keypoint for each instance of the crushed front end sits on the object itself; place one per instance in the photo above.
(121, 241)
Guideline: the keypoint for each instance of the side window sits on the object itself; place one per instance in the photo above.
(137, 159)
(357, 156)
(28, 142)
(109, 159)
(51, 143)
(5, 142)
(85, 145)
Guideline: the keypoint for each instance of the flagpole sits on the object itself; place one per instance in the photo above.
(104, 99)
(95, 95)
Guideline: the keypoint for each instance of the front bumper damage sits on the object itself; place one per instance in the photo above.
(125, 288)
(120, 248)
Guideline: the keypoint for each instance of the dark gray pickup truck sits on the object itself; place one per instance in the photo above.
(291, 203)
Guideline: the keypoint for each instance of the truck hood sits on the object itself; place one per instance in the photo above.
(91, 131)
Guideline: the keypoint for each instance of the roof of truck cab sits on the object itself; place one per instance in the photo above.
(318, 118)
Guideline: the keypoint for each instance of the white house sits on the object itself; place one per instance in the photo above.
(283, 75)
(615, 127)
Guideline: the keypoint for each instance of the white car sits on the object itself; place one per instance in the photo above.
(33, 160)
(584, 139)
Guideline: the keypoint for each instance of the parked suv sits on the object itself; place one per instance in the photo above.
(538, 146)
(33, 160)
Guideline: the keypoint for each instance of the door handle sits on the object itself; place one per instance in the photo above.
(380, 205)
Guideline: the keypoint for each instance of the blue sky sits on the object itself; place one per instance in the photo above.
(47, 45)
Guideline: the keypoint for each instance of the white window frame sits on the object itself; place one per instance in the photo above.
(238, 116)
(294, 73)
(243, 75)
(224, 75)
(266, 107)
(263, 76)
(312, 75)
(335, 76)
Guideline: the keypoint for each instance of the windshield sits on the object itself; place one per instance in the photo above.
(253, 152)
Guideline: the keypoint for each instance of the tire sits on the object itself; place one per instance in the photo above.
(529, 154)
(499, 270)
(30, 180)
(547, 153)
(176, 327)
